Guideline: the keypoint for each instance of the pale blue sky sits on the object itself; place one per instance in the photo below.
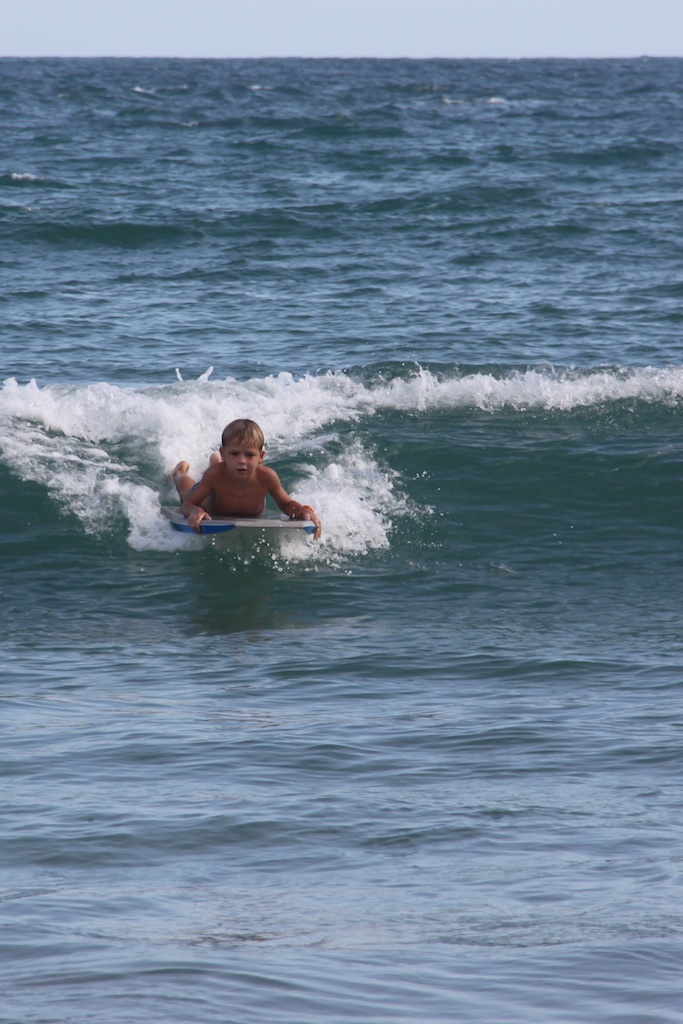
(343, 28)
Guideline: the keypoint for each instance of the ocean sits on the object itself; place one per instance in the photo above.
(429, 768)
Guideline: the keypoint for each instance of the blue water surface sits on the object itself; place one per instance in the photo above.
(429, 767)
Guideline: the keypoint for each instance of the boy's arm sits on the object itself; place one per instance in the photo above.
(291, 508)
(191, 506)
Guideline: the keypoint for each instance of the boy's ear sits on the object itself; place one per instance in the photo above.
(263, 454)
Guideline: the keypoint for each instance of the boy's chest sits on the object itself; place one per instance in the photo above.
(236, 487)
(234, 497)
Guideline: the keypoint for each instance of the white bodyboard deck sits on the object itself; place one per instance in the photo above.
(221, 524)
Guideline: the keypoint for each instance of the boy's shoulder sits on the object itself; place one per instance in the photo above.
(265, 473)
(214, 471)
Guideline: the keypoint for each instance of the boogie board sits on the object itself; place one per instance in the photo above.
(221, 524)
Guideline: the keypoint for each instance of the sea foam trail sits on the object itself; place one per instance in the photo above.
(103, 450)
(524, 389)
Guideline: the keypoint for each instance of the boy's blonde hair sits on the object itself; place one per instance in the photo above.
(245, 432)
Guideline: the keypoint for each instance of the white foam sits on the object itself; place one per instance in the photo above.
(104, 451)
(70, 439)
(531, 389)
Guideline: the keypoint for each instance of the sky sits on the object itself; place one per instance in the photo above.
(341, 28)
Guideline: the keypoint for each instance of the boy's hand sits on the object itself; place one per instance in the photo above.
(308, 513)
(197, 517)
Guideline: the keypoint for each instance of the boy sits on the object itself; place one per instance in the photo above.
(236, 483)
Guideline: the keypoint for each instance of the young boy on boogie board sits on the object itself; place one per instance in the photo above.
(236, 482)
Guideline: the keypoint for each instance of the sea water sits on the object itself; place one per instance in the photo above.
(428, 768)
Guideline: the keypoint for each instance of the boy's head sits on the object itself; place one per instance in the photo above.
(243, 432)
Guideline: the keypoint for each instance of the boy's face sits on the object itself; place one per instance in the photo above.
(241, 460)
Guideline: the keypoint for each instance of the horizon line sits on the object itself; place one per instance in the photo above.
(331, 56)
